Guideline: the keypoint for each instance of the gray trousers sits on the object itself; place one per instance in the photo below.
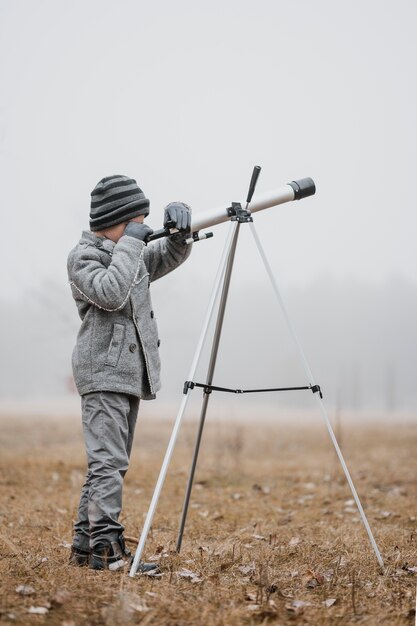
(109, 421)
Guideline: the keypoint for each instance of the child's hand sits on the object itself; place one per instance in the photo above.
(138, 230)
(178, 215)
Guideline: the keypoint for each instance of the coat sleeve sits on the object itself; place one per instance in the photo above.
(109, 287)
(164, 255)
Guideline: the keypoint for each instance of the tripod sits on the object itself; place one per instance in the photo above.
(222, 282)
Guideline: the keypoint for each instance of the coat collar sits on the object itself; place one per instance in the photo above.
(100, 242)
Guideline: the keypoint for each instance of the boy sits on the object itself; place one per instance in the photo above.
(115, 360)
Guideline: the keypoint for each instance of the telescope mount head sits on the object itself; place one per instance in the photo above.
(239, 214)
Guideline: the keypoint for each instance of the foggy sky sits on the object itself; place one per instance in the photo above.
(186, 97)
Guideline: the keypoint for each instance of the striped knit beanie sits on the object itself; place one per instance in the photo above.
(116, 199)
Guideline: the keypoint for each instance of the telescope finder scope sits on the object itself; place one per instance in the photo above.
(253, 181)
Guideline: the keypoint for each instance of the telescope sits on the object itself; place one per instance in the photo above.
(295, 190)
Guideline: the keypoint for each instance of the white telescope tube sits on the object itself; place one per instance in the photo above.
(293, 191)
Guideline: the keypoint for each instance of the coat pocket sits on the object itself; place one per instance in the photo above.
(116, 344)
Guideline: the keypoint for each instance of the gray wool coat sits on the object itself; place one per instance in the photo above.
(117, 347)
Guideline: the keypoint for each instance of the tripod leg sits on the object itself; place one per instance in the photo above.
(209, 380)
(321, 405)
(171, 444)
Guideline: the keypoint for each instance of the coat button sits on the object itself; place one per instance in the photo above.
(132, 347)
(152, 315)
(159, 343)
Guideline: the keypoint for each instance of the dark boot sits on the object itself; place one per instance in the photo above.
(114, 555)
(79, 557)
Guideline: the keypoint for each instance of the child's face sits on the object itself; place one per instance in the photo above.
(115, 232)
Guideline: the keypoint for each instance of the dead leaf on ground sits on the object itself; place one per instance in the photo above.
(297, 606)
(123, 609)
(384, 515)
(306, 498)
(201, 483)
(213, 577)
(61, 597)
(399, 572)
(264, 612)
(262, 489)
(38, 610)
(25, 590)
(310, 486)
(202, 549)
(250, 597)
(341, 561)
(189, 575)
(139, 605)
(314, 578)
(152, 574)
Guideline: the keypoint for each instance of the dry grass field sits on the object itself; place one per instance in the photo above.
(273, 536)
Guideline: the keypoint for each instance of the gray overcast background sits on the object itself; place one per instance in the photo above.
(186, 97)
